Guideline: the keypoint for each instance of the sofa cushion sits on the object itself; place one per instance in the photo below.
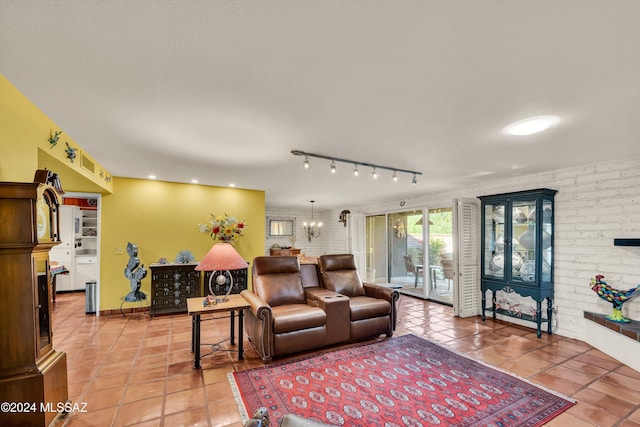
(339, 274)
(295, 317)
(275, 264)
(277, 280)
(367, 307)
(344, 282)
(279, 289)
(309, 274)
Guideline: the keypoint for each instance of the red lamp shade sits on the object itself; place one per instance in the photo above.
(222, 256)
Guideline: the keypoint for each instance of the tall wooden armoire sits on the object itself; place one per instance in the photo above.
(31, 371)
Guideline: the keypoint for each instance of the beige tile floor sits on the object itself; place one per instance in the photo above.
(137, 370)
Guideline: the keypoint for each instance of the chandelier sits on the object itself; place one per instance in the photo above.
(312, 228)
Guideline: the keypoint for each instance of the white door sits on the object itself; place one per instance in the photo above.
(356, 242)
(67, 226)
(86, 271)
(62, 254)
(467, 257)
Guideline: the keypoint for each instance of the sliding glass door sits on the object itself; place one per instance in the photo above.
(396, 252)
(395, 244)
(376, 243)
(406, 251)
(441, 248)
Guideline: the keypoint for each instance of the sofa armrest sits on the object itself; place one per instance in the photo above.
(315, 296)
(336, 306)
(258, 306)
(375, 291)
(259, 325)
(388, 294)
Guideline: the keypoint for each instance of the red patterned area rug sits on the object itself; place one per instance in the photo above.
(402, 381)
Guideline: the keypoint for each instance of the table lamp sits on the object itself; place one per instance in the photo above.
(222, 256)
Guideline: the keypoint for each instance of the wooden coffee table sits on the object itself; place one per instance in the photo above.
(235, 303)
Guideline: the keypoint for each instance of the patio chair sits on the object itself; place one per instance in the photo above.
(412, 268)
(447, 271)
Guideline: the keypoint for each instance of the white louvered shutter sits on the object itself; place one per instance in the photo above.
(467, 292)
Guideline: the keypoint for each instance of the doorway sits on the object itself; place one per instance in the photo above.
(78, 254)
(441, 255)
(396, 250)
(397, 253)
(447, 271)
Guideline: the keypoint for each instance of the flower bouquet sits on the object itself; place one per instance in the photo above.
(224, 229)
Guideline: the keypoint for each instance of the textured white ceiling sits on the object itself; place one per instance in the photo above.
(222, 91)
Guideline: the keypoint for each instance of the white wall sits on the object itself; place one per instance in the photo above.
(333, 235)
(594, 204)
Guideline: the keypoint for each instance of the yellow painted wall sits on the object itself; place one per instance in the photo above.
(24, 146)
(162, 219)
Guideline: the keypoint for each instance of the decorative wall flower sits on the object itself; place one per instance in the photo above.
(224, 228)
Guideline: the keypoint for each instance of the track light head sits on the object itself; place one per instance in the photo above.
(395, 176)
(356, 172)
(307, 165)
(333, 166)
(414, 181)
(374, 174)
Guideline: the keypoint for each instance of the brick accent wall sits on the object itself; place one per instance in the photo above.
(595, 204)
(333, 236)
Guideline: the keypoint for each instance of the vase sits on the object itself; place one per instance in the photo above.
(496, 265)
(546, 215)
(528, 239)
(518, 216)
(516, 261)
(528, 271)
(498, 214)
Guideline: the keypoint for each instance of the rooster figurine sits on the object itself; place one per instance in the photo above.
(614, 296)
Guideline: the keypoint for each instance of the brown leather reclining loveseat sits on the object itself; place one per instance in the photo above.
(297, 307)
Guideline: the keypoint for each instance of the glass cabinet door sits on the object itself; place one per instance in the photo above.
(547, 239)
(43, 321)
(523, 223)
(494, 240)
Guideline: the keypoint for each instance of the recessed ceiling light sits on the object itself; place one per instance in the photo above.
(152, 177)
(232, 185)
(531, 125)
(194, 181)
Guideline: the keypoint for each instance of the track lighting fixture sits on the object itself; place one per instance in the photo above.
(356, 170)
